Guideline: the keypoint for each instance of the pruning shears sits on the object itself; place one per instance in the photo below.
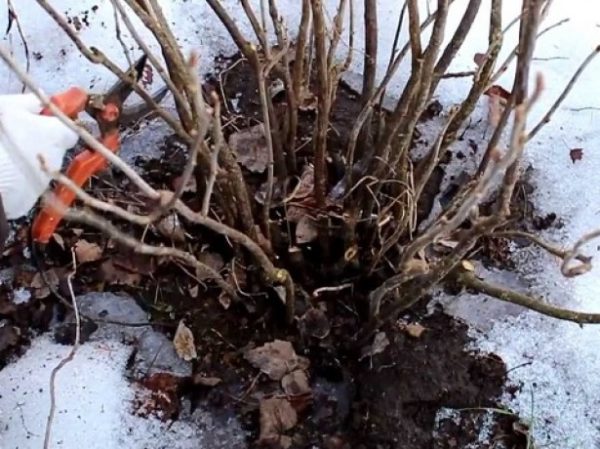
(107, 110)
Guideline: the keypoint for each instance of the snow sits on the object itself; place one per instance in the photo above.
(556, 362)
(95, 393)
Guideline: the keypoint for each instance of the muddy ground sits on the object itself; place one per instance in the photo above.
(417, 387)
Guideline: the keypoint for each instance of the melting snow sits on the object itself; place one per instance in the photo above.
(561, 359)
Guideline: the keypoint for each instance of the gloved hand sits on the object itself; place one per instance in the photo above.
(24, 136)
(22, 180)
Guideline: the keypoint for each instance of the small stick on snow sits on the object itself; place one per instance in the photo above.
(67, 359)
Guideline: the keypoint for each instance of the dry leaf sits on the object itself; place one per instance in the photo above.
(190, 185)
(498, 91)
(136, 263)
(276, 416)
(415, 267)
(184, 342)
(276, 359)
(206, 381)
(41, 287)
(295, 383)
(225, 300)
(213, 260)
(305, 186)
(468, 266)
(415, 330)
(112, 274)
(448, 243)
(171, 228)
(59, 240)
(380, 342)
(87, 252)
(281, 293)
(193, 291)
(479, 58)
(576, 154)
(314, 322)
(306, 231)
(251, 148)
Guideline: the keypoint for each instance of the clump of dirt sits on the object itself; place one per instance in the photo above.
(402, 390)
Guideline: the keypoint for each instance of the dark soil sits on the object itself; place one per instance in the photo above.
(392, 399)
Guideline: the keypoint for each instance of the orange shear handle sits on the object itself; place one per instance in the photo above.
(82, 168)
(71, 102)
(85, 164)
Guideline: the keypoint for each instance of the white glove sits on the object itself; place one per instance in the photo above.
(25, 134)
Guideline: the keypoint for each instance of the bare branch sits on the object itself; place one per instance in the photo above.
(469, 280)
(548, 116)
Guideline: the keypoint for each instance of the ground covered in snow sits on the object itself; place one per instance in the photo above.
(555, 364)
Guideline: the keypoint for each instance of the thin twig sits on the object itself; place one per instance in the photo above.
(14, 17)
(548, 116)
(67, 359)
(469, 280)
(218, 143)
(585, 265)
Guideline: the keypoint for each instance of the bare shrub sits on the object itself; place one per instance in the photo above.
(363, 224)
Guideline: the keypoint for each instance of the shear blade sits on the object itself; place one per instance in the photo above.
(119, 92)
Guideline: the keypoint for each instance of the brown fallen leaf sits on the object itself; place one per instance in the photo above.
(576, 154)
(190, 186)
(314, 322)
(380, 342)
(306, 230)
(479, 59)
(414, 330)
(276, 416)
(225, 300)
(206, 381)
(87, 252)
(193, 291)
(41, 287)
(467, 265)
(171, 228)
(213, 260)
(305, 185)
(295, 383)
(163, 399)
(251, 148)
(499, 91)
(184, 342)
(135, 262)
(112, 274)
(276, 359)
(59, 240)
